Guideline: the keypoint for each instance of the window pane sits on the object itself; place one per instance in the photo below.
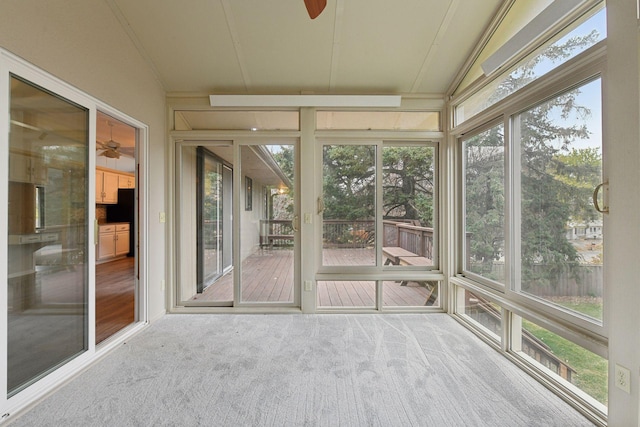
(410, 293)
(205, 194)
(408, 197)
(349, 195)
(237, 120)
(379, 120)
(484, 203)
(484, 313)
(346, 293)
(567, 360)
(561, 244)
(47, 233)
(536, 65)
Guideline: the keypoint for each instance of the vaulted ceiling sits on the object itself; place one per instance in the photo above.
(272, 46)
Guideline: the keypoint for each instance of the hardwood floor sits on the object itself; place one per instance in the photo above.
(115, 297)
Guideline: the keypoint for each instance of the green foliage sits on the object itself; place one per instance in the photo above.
(349, 182)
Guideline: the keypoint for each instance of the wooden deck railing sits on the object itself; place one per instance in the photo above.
(413, 238)
(276, 232)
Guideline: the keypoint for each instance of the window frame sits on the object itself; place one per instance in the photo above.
(380, 144)
(493, 284)
(582, 69)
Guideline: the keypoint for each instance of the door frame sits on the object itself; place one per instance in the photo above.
(11, 64)
(236, 140)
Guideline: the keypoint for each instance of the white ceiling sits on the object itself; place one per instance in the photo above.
(272, 46)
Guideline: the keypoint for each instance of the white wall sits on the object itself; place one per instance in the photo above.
(82, 43)
(622, 278)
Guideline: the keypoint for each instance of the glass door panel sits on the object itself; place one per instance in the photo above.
(349, 198)
(209, 208)
(204, 194)
(268, 223)
(47, 233)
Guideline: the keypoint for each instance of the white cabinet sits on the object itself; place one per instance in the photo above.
(122, 239)
(113, 241)
(106, 187)
(27, 169)
(126, 181)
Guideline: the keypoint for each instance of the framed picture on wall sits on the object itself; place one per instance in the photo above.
(248, 191)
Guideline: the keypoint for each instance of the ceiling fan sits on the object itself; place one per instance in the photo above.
(111, 147)
(315, 7)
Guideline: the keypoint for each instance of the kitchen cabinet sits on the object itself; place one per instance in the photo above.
(27, 169)
(113, 241)
(126, 181)
(106, 187)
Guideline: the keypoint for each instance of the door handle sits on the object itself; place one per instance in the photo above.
(294, 224)
(320, 205)
(605, 204)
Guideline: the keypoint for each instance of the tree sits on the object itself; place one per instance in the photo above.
(408, 183)
(553, 178)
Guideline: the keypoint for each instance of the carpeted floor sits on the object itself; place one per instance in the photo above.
(303, 370)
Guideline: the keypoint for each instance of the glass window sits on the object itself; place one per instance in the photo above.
(482, 312)
(484, 203)
(560, 163)
(346, 293)
(379, 120)
(237, 120)
(47, 233)
(410, 293)
(536, 65)
(408, 205)
(565, 360)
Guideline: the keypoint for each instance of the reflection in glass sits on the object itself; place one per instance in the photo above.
(561, 244)
(47, 233)
(349, 194)
(484, 203)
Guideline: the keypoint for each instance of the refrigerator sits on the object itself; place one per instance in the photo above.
(124, 211)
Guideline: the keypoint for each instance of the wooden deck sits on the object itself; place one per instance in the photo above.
(268, 277)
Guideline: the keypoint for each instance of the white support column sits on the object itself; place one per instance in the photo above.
(308, 209)
(622, 262)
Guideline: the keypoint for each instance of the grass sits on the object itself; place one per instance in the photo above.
(590, 307)
(591, 370)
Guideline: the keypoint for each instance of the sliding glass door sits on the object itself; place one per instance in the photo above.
(48, 251)
(236, 223)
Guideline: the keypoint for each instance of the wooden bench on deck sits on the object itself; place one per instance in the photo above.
(394, 253)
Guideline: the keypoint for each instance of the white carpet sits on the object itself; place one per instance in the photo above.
(303, 370)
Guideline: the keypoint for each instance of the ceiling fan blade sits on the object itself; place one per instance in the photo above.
(315, 7)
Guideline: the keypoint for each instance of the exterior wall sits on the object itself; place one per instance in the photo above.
(82, 43)
(250, 220)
